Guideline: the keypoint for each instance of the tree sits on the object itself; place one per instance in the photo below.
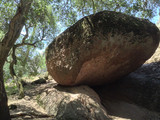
(38, 21)
(80, 8)
(22, 17)
(28, 17)
(15, 26)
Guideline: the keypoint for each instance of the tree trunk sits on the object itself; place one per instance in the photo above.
(20, 87)
(14, 76)
(4, 111)
(15, 28)
(21, 90)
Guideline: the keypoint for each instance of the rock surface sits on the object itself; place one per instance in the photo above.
(101, 48)
(73, 103)
(137, 96)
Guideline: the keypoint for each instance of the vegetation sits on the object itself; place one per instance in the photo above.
(26, 25)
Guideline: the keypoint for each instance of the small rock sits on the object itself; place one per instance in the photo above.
(27, 117)
(12, 107)
(23, 83)
(39, 81)
(13, 92)
(27, 98)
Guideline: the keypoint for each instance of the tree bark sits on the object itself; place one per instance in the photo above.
(13, 74)
(15, 27)
(4, 111)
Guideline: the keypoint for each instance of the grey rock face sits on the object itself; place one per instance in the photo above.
(73, 103)
(137, 96)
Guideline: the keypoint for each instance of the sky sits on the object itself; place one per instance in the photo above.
(156, 18)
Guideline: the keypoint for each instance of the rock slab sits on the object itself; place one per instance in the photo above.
(73, 103)
(101, 48)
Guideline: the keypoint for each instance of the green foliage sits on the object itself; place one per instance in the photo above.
(29, 63)
(69, 11)
(7, 10)
(7, 75)
(11, 88)
(36, 64)
(40, 28)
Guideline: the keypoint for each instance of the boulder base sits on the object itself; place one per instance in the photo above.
(71, 103)
(101, 48)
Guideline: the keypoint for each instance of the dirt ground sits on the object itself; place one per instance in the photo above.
(28, 107)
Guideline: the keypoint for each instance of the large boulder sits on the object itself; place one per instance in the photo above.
(101, 48)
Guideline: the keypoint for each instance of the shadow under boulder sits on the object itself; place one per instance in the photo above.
(136, 96)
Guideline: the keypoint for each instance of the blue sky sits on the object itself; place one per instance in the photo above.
(156, 18)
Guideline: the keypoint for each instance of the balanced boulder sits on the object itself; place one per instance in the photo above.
(101, 48)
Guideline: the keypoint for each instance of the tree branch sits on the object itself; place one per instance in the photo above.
(15, 27)
(13, 62)
(23, 44)
(14, 58)
(93, 7)
(84, 3)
